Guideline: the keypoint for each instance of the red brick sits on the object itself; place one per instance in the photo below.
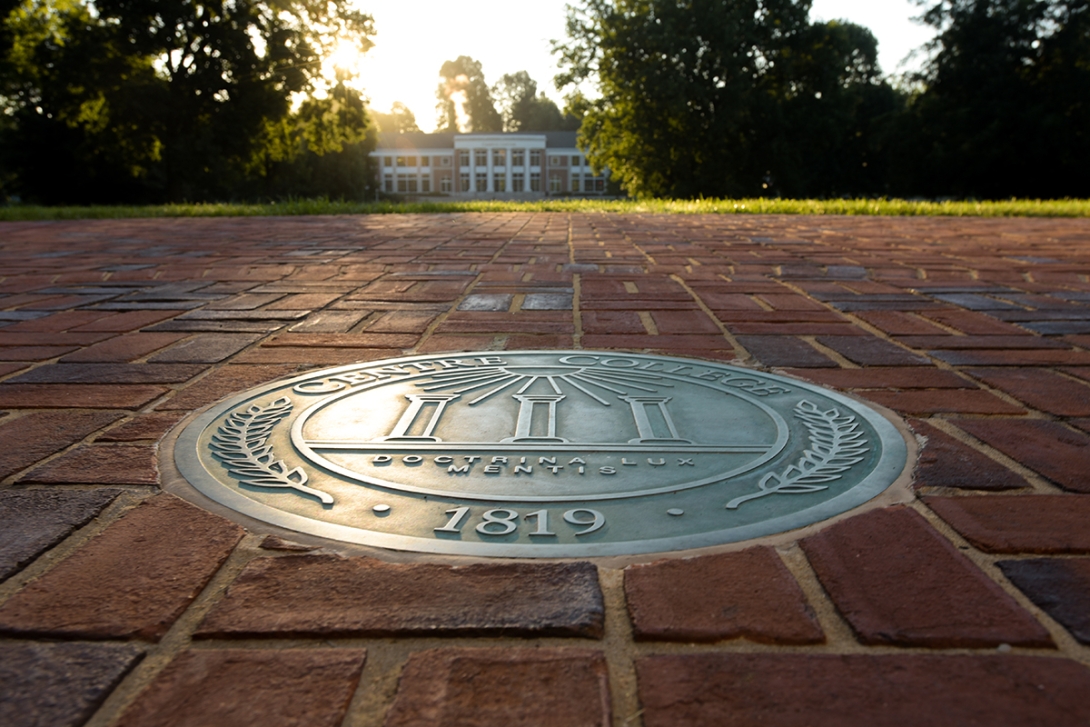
(897, 323)
(10, 368)
(129, 347)
(1059, 586)
(612, 322)
(975, 324)
(57, 322)
(864, 690)
(275, 597)
(250, 688)
(898, 582)
(40, 434)
(1048, 448)
(33, 353)
(10, 339)
(959, 401)
(444, 343)
(99, 464)
(129, 320)
(839, 330)
(206, 348)
(954, 343)
(748, 594)
(109, 373)
(145, 426)
(1040, 388)
(946, 462)
(790, 301)
(89, 396)
(1019, 523)
(907, 377)
(662, 343)
(224, 382)
(314, 357)
(342, 340)
(402, 321)
(678, 321)
(131, 581)
(304, 301)
(514, 687)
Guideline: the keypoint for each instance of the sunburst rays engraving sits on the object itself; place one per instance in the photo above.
(585, 379)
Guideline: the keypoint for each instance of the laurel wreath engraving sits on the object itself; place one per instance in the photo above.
(835, 445)
(242, 444)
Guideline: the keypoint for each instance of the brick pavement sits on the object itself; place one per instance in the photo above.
(122, 605)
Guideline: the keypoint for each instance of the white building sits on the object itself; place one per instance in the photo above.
(489, 166)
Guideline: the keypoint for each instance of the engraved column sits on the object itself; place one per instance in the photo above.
(644, 426)
(524, 426)
(416, 404)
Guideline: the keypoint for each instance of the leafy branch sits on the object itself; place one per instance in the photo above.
(242, 444)
(835, 445)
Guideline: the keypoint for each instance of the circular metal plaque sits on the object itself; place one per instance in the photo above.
(540, 453)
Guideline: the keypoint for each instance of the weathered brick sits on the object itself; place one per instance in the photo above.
(402, 321)
(946, 462)
(40, 434)
(514, 687)
(32, 521)
(205, 348)
(897, 323)
(958, 401)
(275, 597)
(1059, 586)
(897, 581)
(129, 320)
(1049, 448)
(250, 688)
(99, 464)
(144, 426)
(303, 357)
(131, 581)
(749, 594)
(612, 322)
(785, 351)
(1040, 388)
(224, 382)
(128, 347)
(109, 373)
(59, 685)
(330, 321)
(1019, 523)
(1015, 358)
(825, 690)
(870, 351)
(907, 377)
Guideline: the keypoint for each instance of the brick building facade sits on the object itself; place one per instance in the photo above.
(492, 166)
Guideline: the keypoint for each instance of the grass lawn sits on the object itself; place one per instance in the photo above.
(882, 207)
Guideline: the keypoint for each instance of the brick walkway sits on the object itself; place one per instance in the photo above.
(121, 605)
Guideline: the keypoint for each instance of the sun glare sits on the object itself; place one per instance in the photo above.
(345, 58)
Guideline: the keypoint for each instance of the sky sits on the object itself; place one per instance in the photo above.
(415, 37)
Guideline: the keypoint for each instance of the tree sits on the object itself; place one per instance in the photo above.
(716, 97)
(168, 99)
(524, 109)
(1005, 105)
(465, 101)
(400, 120)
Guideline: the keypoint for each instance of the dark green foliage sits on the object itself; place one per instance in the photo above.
(728, 97)
(524, 109)
(149, 100)
(1005, 109)
(400, 120)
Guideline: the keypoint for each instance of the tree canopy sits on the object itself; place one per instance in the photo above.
(465, 100)
(177, 99)
(524, 109)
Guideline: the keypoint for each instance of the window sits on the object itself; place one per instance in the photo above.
(463, 182)
(554, 184)
(535, 158)
(444, 161)
(575, 182)
(480, 157)
(401, 161)
(588, 183)
(425, 185)
(499, 157)
(518, 157)
(387, 161)
(575, 161)
(388, 183)
(402, 183)
(412, 184)
(445, 186)
(499, 182)
(599, 184)
(482, 181)
(554, 161)
(518, 182)
(425, 161)
(410, 161)
(535, 181)
(463, 158)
